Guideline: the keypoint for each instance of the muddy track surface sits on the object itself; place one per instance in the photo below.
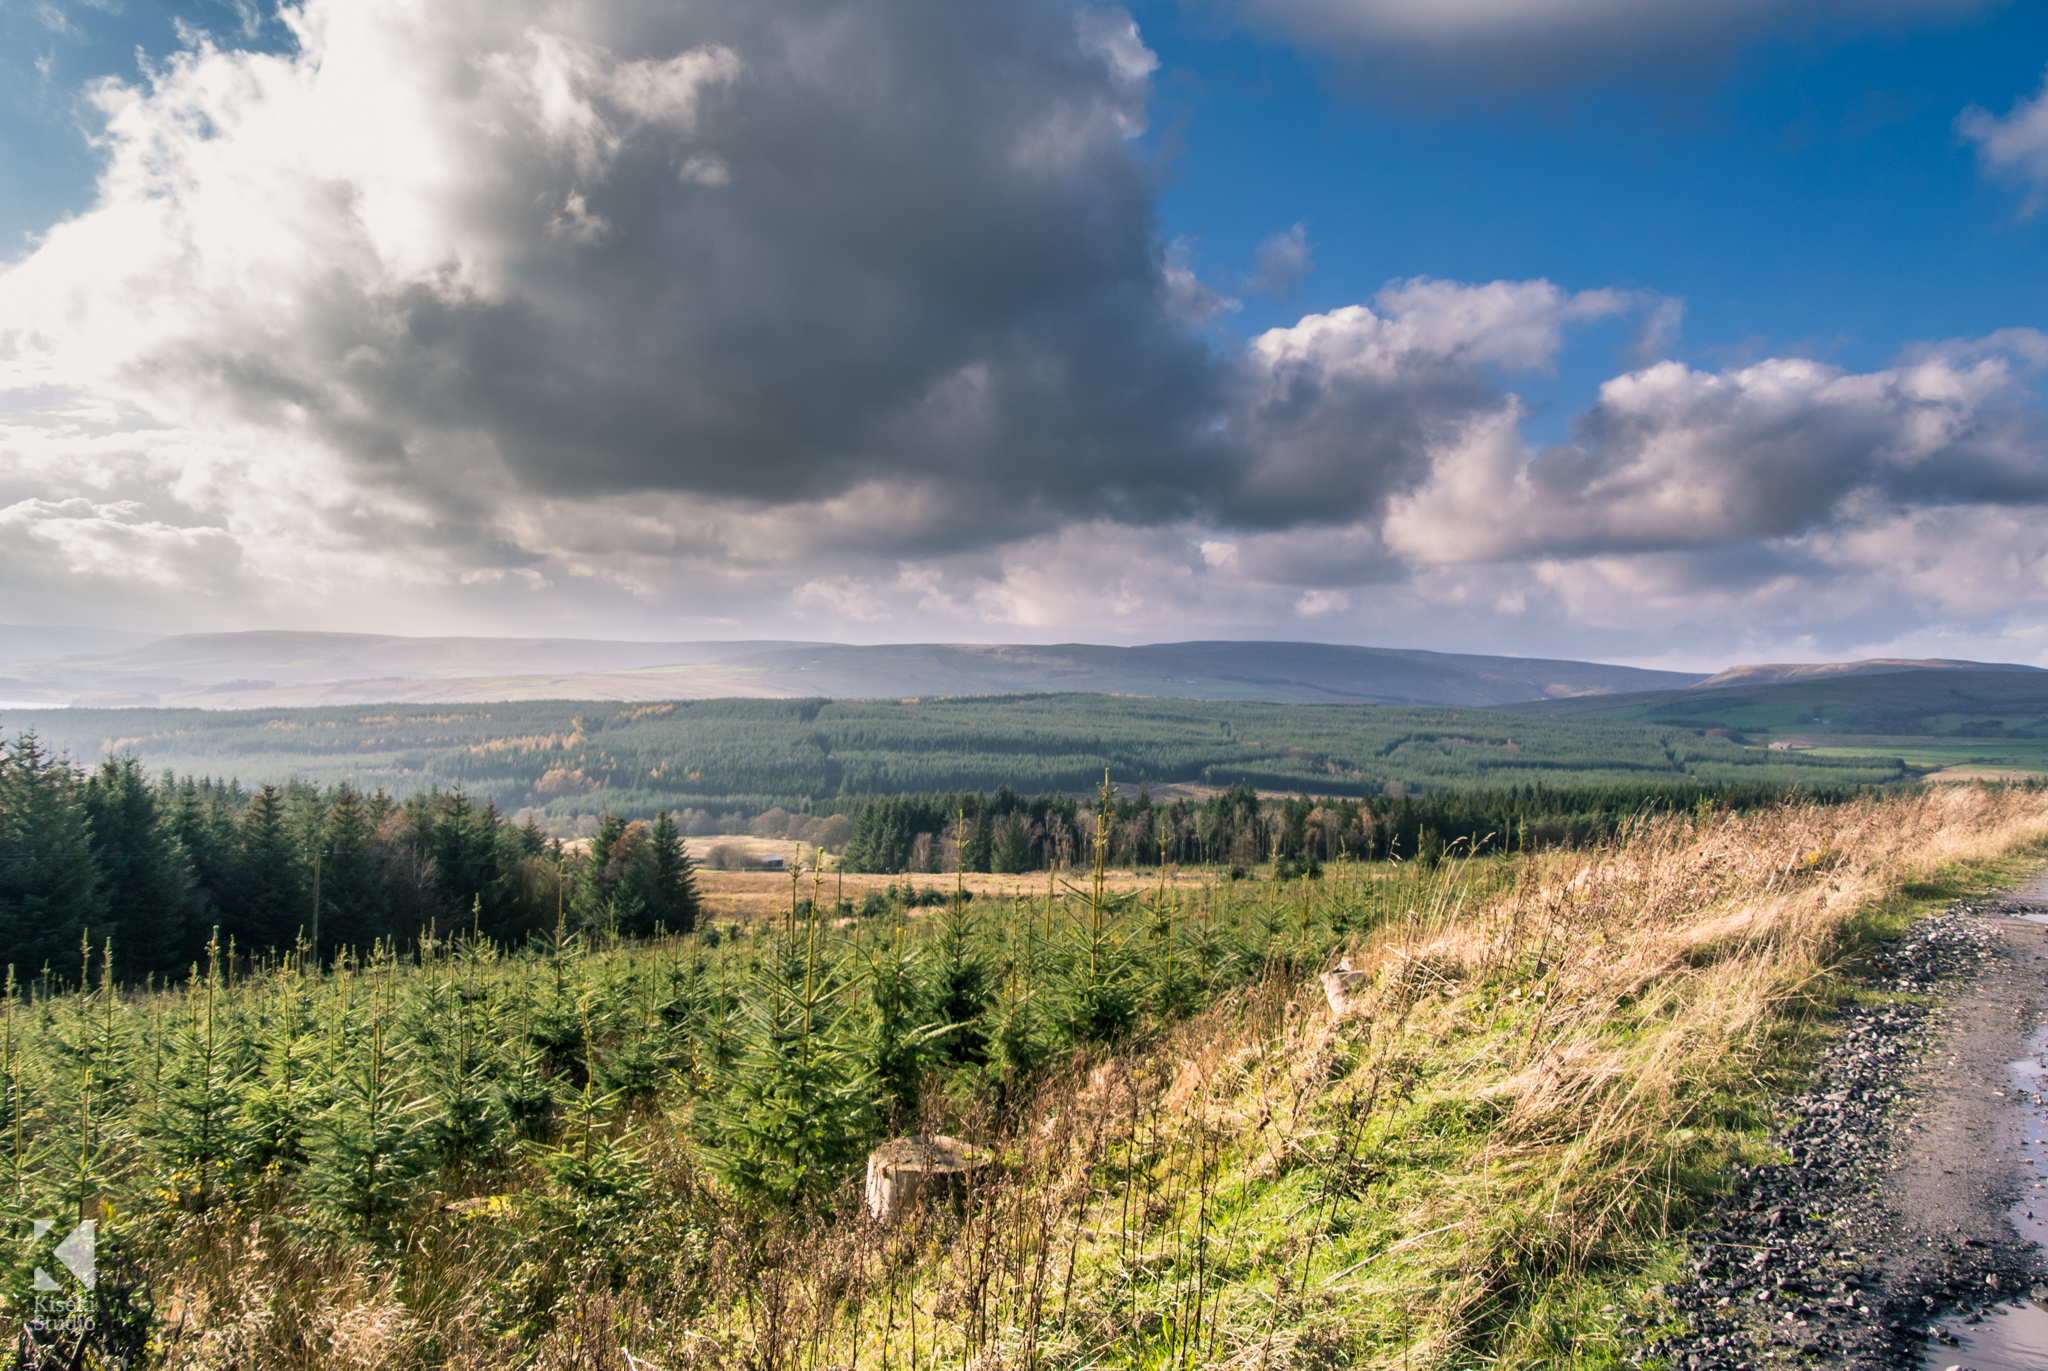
(1888, 1239)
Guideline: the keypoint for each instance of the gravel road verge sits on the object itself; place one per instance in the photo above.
(1886, 1236)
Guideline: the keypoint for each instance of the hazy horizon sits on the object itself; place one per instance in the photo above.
(1705, 666)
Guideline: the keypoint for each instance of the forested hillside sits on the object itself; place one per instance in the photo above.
(160, 866)
(570, 759)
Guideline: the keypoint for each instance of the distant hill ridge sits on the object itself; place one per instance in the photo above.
(289, 668)
(1782, 672)
(268, 669)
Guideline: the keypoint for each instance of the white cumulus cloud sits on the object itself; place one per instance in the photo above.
(2014, 146)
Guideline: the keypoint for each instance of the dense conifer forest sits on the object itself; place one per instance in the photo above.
(161, 866)
(1238, 829)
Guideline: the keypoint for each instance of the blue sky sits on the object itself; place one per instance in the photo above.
(1805, 194)
(563, 316)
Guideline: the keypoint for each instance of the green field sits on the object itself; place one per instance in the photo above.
(1929, 720)
(571, 758)
(2001, 754)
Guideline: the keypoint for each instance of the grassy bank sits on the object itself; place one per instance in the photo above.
(592, 1156)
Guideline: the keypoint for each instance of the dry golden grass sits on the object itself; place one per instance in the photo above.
(1595, 1026)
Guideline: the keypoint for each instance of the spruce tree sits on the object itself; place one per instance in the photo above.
(1095, 999)
(471, 1124)
(597, 880)
(368, 1149)
(268, 902)
(899, 1030)
(1013, 844)
(139, 860)
(532, 842)
(197, 1132)
(795, 1110)
(958, 991)
(352, 900)
(977, 841)
(199, 823)
(280, 1097)
(675, 884)
(468, 866)
(50, 891)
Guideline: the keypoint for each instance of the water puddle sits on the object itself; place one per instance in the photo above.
(2015, 1337)
(2035, 893)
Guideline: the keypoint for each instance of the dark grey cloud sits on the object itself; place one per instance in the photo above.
(1346, 409)
(1419, 46)
(907, 240)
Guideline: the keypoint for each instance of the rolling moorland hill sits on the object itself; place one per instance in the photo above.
(1775, 673)
(272, 669)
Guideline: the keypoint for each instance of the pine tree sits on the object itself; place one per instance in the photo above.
(139, 859)
(50, 891)
(267, 903)
(675, 884)
(352, 901)
(796, 1109)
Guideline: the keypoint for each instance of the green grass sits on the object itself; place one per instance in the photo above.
(1934, 754)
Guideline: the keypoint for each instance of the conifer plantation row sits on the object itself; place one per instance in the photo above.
(1005, 832)
(164, 868)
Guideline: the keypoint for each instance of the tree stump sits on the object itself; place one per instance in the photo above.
(1345, 988)
(933, 1169)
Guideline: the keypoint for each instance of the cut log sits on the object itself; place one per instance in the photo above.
(904, 1172)
(1345, 988)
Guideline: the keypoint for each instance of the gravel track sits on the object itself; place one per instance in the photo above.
(1886, 1234)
